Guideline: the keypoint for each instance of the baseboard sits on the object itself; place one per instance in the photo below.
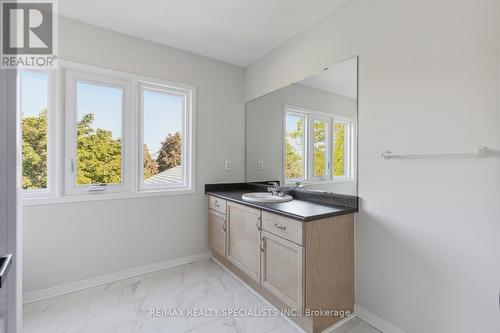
(37, 295)
(375, 321)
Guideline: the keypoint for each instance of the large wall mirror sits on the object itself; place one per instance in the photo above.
(306, 133)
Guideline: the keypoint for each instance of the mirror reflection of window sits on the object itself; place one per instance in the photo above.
(295, 147)
(341, 149)
(312, 154)
(320, 146)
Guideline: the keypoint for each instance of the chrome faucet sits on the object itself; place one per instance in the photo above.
(276, 190)
(298, 186)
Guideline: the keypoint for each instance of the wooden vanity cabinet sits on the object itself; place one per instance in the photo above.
(243, 238)
(217, 204)
(217, 226)
(282, 270)
(303, 266)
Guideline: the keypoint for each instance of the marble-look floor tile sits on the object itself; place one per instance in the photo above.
(126, 306)
(65, 313)
(355, 325)
(223, 325)
(114, 328)
(284, 328)
(113, 315)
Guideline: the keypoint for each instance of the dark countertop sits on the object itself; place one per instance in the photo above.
(298, 209)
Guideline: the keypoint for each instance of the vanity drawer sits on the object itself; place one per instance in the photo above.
(283, 227)
(217, 204)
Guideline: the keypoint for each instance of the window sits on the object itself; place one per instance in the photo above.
(341, 141)
(295, 146)
(36, 115)
(320, 140)
(320, 151)
(95, 130)
(121, 135)
(99, 134)
(165, 138)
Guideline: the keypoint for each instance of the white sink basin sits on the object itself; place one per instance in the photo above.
(265, 197)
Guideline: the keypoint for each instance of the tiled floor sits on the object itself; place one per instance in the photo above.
(125, 306)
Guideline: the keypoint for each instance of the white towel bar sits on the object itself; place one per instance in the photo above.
(480, 152)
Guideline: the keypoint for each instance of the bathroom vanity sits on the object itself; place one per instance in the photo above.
(299, 255)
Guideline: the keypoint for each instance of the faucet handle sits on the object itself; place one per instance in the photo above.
(275, 190)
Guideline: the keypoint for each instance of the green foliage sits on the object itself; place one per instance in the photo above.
(170, 152)
(338, 150)
(34, 151)
(293, 162)
(293, 150)
(293, 156)
(319, 148)
(150, 167)
(99, 157)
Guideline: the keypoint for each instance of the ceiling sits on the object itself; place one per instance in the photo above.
(341, 79)
(234, 31)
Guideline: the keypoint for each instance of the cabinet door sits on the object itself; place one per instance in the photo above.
(217, 231)
(282, 269)
(243, 235)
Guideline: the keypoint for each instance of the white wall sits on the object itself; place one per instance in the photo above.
(70, 242)
(427, 236)
(265, 126)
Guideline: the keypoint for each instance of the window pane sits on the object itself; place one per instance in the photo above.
(339, 151)
(99, 138)
(294, 146)
(319, 148)
(34, 108)
(162, 130)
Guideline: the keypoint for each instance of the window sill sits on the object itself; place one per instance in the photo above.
(37, 201)
(321, 182)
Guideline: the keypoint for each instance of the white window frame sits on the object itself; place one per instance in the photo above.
(71, 78)
(289, 110)
(349, 141)
(187, 136)
(59, 133)
(52, 149)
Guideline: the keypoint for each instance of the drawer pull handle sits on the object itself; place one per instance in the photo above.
(216, 204)
(280, 226)
(224, 226)
(262, 248)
